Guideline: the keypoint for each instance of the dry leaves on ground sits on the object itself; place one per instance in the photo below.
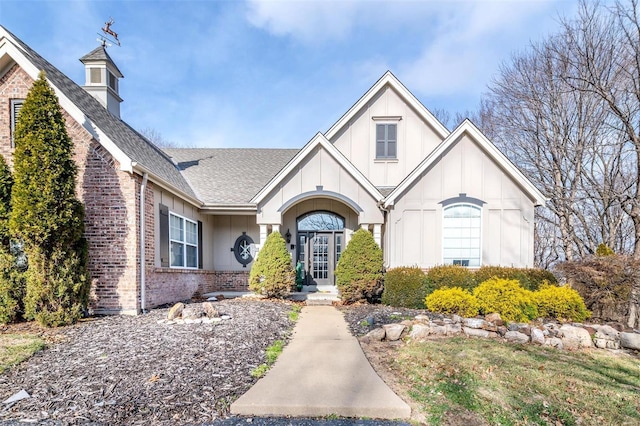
(132, 370)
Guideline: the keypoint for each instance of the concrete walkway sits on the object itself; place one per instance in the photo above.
(322, 371)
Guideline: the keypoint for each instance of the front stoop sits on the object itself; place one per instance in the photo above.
(322, 372)
(322, 299)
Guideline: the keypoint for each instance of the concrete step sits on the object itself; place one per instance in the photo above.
(321, 299)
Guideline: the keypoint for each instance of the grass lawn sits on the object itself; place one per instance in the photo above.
(15, 348)
(487, 382)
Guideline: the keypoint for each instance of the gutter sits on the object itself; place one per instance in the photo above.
(143, 284)
(165, 185)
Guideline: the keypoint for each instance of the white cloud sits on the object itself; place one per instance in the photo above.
(308, 20)
(470, 43)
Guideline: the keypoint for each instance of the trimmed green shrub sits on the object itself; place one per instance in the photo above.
(451, 276)
(272, 274)
(453, 300)
(604, 250)
(46, 216)
(562, 303)
(529, 278)
(406, 287)
(506, 297)
(359, 271)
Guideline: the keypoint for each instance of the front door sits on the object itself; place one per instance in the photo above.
(319, 253)
(321, 262)
(320, 244)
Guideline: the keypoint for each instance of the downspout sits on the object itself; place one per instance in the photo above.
(143, 285)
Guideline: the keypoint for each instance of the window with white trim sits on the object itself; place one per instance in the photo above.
(461, 235)
(16, 106)
(386, 140)
(183, 242)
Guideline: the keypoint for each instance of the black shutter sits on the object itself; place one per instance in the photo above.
(164, 236)
(200, 262)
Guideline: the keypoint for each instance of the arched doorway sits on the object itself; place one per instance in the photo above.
(320, 243)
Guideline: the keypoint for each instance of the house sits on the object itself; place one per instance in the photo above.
(165, 224)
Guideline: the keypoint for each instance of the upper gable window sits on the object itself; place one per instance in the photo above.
(386, 140)
(16, 106)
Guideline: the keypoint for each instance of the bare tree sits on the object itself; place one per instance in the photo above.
(156, 137)
(603, 56)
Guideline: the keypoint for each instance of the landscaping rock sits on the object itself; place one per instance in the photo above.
(537, 336)
(423, 318)
(630, 341)
(516, 337)
(502, 330)
(377, 334)
(393, 331)
(192, 312)
(571, 333)
(606, 337)
(494, 318)
(478, 332)
(209, 310)
(175, 311)
(420, 332)
(554, 342)
(474, 322)
(446, 330)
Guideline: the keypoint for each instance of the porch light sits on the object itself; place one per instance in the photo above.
(288, 236)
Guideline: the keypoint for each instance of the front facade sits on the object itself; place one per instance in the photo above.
(163, 225)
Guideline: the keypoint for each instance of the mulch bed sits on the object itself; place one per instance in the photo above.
(359, 316)
(132, 370)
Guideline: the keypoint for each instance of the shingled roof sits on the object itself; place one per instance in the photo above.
(132, 143)
(229, 175)
(99, 54)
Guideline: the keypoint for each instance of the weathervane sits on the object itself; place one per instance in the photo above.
(104, 38)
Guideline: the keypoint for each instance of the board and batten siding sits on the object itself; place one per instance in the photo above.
(414, 230)
(182, 208)
(226, 229)
(319, 169)
(415, 139)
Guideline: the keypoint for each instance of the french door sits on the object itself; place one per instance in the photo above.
(319, 253)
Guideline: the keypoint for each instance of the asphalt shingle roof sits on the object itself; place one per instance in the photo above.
(229, 175)
(132, 143)
(99, 54)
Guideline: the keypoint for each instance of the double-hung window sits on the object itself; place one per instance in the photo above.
(386, 140)
(183, 242)
(461, 232)
(16, 106)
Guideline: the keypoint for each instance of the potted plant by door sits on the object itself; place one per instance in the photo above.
(299, 276)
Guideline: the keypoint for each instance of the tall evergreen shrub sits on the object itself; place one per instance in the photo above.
(12, 285)
(272, 274)
(359, 271)
(46, 215)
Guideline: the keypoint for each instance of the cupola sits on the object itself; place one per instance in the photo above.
(102, 79)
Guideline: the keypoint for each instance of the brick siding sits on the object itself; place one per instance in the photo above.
(111, 198)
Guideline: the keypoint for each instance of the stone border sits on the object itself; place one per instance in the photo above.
(561, 336)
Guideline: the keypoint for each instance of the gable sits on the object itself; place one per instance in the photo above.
(126, 145)
(416, 132)
(319, 175)
(467, 159)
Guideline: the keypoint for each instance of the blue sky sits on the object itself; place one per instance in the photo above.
(260, 73)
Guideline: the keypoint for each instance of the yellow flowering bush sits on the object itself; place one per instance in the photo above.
(453, 300)
(562, 303)
(508, 298)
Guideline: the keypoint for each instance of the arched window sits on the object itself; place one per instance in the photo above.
(461, 235)
(320, 221)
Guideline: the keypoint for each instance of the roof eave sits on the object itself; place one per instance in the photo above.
(165, 185)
